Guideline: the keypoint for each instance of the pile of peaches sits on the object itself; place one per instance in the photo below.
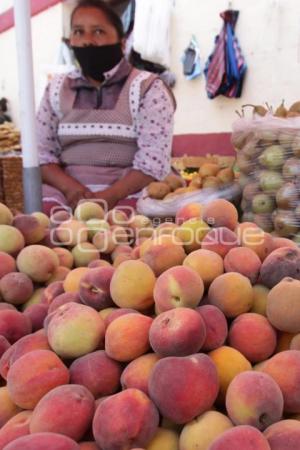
(116, 334)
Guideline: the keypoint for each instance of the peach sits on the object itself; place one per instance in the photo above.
(14, 428)
(34, 341)
(221, 213)
(127, 337)
(196, 392)
(52, 291)
(72, 281)
(254, 398)
(125, 420)
(229, 362)
(200, 432)
(11, 240)
(59, 274)
(14, 325)
(33, 231)
(140, 225)
(62, 299)
(251, 236)
(164, 439)
(8, 408)
(215, 325)
(33, 375)
(76, 408)
(84, 253)
(177, 332)
(191, 233)
(37, 315)
(75, 330)
(6, 216)
(281, 263)
(284, 435)
(38, 262)
(98, 263)
(59, 216)
(117, 217)
(177, 287)
(94, 288)
(97, 372)
(4, 305)
(220, 240)
(120, 234)
(71, 232)
(16, 288)
(117, 312)
(163, 254)
(232, 293)
(43, 219)
(65, 257)
(165, 228)
(89, 210)
(104, 241)
(132, 285)
(121, 258)
(7, 264)
(4, 345)
(260, 294)
(189, 211)
(295, 342)
(43, 441)
(36, 298)
(287, 379)
(240, 437)
(279, 242)
(283, 305)
(122, 249)
(136, 374)
(243, 260)
(254, 336)
(207, 264)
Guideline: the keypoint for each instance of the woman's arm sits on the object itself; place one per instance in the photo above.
(54, 175)
(132, 182)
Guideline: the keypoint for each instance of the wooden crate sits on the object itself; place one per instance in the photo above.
(11, 181)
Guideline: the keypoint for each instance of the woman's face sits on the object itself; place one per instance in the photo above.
(90, 26)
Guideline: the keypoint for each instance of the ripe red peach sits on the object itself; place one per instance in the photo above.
(97, 372)
(196, 392)
(14, 428)
(215, 325)
(33, 231)
(33, 375)
(38, 262)
(284, 435)
(254, 398)
(220, 240)
(16, 288)
(221, 213)
(177, 332)
(240, 437)
(125, 420)
(178, 286)
(283, 305)
(127, 337)
(243, 260)
(253, 335)
(14, 325)
(94, 288)
(288, 380)
(76, 408)
(39, 441)
(137, 373)
(7, 264)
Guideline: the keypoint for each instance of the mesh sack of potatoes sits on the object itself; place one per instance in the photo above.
(268, 160)
(164, 198)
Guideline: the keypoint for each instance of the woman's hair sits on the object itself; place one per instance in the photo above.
(111, 16)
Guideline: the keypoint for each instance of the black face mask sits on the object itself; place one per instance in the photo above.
(96, 60)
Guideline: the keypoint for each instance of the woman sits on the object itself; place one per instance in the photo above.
(104, 130)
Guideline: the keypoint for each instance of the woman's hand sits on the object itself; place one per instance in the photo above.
(74, 196)
(108, 197)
